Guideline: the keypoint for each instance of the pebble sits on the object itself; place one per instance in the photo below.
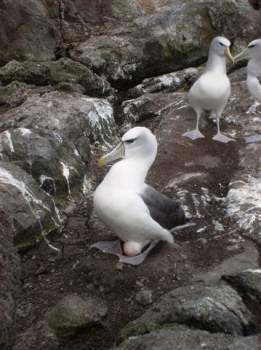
(144, 297)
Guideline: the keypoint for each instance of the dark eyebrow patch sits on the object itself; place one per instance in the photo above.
(130, 140)
(250, 46)
(221, 43)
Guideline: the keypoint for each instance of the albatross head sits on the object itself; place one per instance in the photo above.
(253, 51)
(138, 142)
(221, 47)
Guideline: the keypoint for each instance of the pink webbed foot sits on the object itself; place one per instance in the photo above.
(114, 248)
(222, 138)
(253, 138)
(194, 134)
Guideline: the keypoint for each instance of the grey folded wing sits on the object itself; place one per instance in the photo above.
(165, 211)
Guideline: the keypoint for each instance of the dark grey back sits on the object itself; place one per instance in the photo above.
(167, 212)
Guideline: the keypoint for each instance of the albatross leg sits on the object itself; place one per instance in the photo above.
(219, 136)
(195, 134)
(114, 248)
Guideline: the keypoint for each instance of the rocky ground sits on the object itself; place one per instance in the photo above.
(74, 75)
(212, 255)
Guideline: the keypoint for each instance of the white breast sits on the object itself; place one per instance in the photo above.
(210, 92)
(254, 87)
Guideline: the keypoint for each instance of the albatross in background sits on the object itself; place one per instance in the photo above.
(138, 214)
(212, 90)
(253, 52)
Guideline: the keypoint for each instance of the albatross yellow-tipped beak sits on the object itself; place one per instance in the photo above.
(242, 55)
(228, 55)
(115, 154)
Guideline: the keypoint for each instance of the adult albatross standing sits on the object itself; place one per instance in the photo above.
(253, 52)
(212, 90)
(138, 214)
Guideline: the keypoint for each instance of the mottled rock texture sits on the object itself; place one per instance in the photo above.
(9, 282)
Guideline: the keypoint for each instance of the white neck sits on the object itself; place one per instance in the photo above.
(130, 173)
(216, 63)
(254, 68)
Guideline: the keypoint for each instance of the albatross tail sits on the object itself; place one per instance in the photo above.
(167, 237)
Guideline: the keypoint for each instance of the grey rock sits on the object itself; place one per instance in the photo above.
(73, 313)
(169, 39)
(26, 31)
(177, 338)
(144, 297)
(248, 284)
(31, 211)
(56, 73)
(247, 343)
(216, 308)
(15, 93)
(166, 83)
(43, 155)
(76, 118)
(9, 282)
(141, 108)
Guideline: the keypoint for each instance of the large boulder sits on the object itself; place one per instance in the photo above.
(59, 73)
(26, 31)
(216, 308)
(46, 157)
(32, 212)
(175, 37)
(178, 338)
(77, 118)
(74, 313)
(248, 284)
(169, 82)
(15, 93)
(9, 277)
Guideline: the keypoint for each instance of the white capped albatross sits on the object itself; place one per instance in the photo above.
(212, 90)
(253, 53)
(138, 214)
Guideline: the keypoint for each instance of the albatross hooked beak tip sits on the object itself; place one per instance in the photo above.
(242, 55)
(228, 55)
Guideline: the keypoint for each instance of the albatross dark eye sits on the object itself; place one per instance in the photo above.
(221, 43)
(129, 141)
(250, 46)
